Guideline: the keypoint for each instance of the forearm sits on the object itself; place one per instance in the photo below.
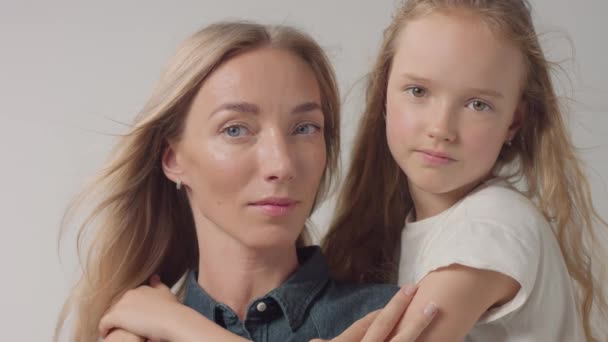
(462, 295)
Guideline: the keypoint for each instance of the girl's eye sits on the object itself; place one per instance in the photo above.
(478, 105)
(307, 129)
(235, 131)
(416, 91)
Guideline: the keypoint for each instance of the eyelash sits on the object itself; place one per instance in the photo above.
(315, 127)
(486, 105)
(225, 131)
(411, 88)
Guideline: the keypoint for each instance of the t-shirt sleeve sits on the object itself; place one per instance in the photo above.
(488, 245)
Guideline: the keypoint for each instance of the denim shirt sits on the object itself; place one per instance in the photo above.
(308, 305)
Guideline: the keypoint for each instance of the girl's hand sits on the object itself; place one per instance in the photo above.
(380, 325)
(143, 311)
(119, 335)
(153, 313)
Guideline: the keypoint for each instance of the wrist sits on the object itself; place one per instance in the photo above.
(190, 326)
(179, 323)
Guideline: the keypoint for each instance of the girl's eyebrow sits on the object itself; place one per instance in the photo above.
(481, 91)
(415, 78)
(487, 92)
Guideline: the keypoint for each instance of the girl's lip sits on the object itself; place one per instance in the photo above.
(435, 159)
(437, 154)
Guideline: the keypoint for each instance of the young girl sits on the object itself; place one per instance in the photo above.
(216, 180)
(460, 110)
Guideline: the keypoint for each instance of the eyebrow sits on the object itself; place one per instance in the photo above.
(241, 107)
(250, 108)
(306, 107)
(415, 78)
(487, 92)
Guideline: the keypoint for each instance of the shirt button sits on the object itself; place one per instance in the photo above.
(261, 307)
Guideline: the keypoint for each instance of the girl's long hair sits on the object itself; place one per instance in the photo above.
(363, 240)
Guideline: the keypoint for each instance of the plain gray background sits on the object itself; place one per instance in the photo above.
(68, 68)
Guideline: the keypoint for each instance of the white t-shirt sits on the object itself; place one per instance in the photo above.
(497, 228)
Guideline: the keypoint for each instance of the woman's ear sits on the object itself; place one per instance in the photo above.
(171, 165)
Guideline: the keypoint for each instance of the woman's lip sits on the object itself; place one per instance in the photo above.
(274, 209)
(279, 201)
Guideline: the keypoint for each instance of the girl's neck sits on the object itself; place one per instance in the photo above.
(428, 204)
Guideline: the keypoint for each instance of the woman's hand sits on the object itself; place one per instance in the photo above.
(380, 325)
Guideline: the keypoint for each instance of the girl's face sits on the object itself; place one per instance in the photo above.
(253, 152)
(452, 101)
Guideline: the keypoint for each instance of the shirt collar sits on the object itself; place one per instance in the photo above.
(294, 296)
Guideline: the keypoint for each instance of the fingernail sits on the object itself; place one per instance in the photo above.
(409, 289)
(430, 310)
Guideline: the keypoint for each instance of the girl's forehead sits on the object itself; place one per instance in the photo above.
(444, 47)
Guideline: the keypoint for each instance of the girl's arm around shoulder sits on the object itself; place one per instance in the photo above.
(462, 295)
(153, 312)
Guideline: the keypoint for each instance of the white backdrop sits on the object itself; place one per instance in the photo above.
(68, 68)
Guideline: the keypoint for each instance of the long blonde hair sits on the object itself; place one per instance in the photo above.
(142, 225)
(374, 201)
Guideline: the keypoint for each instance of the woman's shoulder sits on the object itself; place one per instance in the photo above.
(369, 293)
(343, 303)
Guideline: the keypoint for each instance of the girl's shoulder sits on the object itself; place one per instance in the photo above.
(495, 210)
(499, 201)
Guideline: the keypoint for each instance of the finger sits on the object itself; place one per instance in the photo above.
(120, 335)
(390, 316)
(411, 330)
(356, 331)
(105, 324)
(155, 280)
(156, 283)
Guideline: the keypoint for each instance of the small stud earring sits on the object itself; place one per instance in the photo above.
(178, 185)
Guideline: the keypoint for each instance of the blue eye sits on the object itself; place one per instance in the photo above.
(235, 131)
(478, 105)
(416, 91)
(306, 129)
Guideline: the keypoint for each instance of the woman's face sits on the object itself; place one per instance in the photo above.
(252, 153)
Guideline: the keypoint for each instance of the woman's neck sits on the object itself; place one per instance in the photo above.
(235, 275)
